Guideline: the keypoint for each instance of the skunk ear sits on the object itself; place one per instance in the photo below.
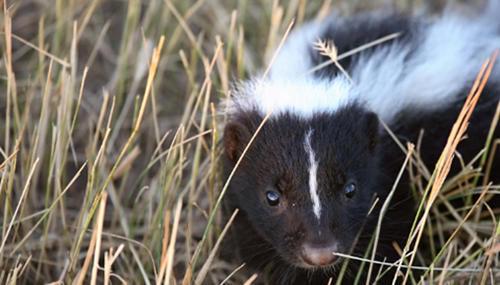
(236, 137)
(371, 129)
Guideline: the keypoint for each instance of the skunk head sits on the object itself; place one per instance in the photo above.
(305, 184)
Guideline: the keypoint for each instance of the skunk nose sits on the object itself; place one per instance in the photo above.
(319, 255)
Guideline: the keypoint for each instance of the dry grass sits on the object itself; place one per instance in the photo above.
(109, 143)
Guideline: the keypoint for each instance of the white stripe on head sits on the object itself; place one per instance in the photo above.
(313, 169)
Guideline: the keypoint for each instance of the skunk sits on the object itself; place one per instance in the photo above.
(307, 183)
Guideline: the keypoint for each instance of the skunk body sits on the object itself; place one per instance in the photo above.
(307, 183)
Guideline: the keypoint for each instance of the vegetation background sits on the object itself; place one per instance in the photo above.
(109, 131)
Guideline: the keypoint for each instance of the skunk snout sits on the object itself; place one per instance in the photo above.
(319, 254)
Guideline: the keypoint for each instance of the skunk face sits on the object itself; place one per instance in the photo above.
(307, 185)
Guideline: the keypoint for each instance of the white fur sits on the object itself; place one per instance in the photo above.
(445, 61)
(313, 170)
(288, 63)
(304, 97)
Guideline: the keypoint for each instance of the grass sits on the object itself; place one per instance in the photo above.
(109, 150)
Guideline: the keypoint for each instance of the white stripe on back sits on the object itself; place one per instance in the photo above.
(425, 72)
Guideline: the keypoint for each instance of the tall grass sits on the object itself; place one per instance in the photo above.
(109, 143)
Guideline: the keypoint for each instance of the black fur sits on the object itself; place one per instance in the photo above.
(363, 29)
(350, 146)
(276, 161)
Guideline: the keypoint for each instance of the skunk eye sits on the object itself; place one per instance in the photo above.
(350, 190)
(273, 199)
